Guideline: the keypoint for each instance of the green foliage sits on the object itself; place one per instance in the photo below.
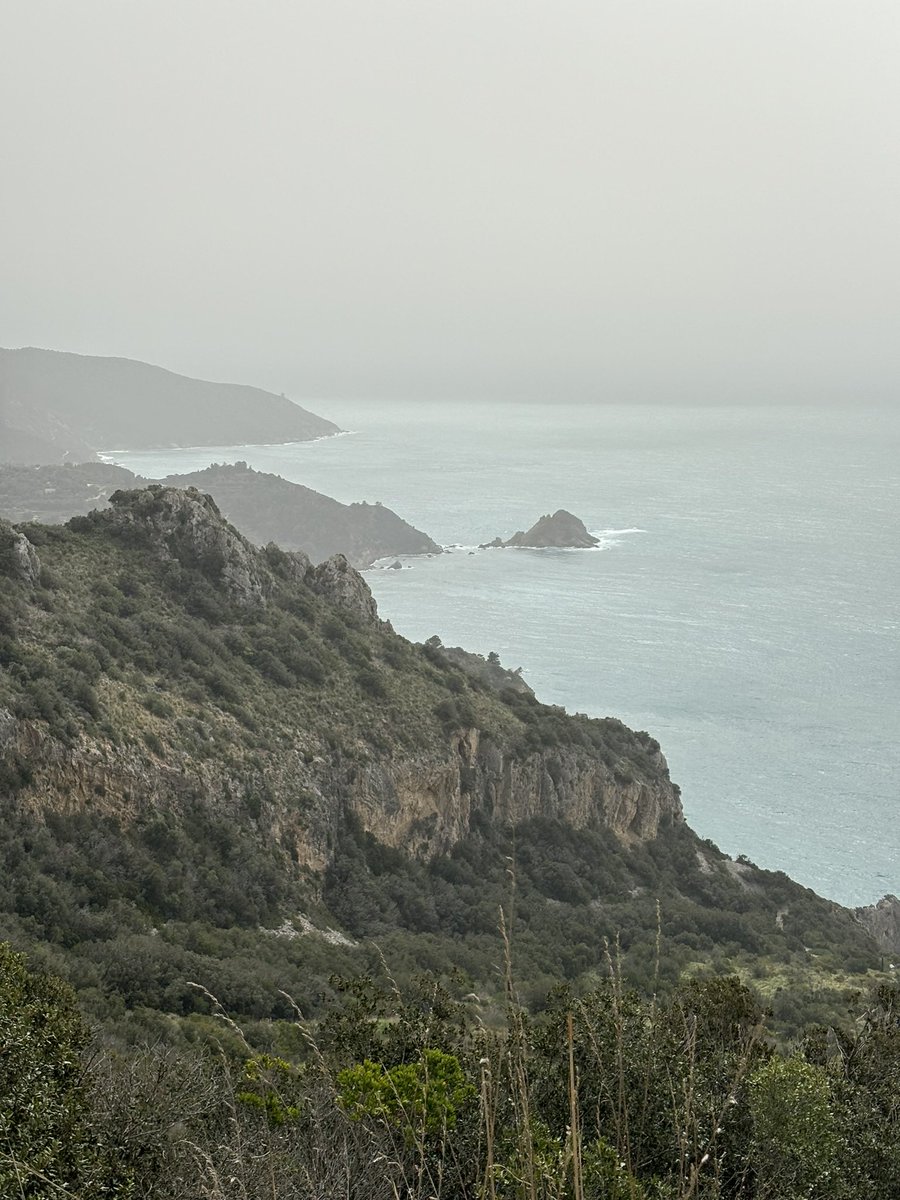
(606, 1095)
(46, 1145)
(421, 1097)
(271, 1087)
(605, 1175)
(796, 1146)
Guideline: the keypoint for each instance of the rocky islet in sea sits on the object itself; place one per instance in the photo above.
(561, 530)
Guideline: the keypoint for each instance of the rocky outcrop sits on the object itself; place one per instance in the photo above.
(188, 527)
(489, 670)
(561, 529)
(422, 803)
(340, 583)
(426, 806)
(882, 921)
(18, 557)
(7, 729)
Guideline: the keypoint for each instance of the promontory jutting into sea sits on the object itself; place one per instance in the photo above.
(740, 605)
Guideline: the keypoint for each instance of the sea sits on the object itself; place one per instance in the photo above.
(742, 605)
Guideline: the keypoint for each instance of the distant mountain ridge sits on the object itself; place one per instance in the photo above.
(65, 407)
(266, 508)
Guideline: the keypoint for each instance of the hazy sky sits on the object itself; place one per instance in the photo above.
(648, 198)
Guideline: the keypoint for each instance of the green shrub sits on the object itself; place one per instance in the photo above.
(423, 1097)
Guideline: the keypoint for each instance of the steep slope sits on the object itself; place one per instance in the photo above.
(199, 738)
(266, 508)
(76, 401)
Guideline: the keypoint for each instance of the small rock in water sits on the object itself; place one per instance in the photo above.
(562, 530)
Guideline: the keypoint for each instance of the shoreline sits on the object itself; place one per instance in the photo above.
(108, 456)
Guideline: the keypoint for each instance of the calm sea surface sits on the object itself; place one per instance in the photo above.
(743, 606)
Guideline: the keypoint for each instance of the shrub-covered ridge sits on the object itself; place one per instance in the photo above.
(200, 740)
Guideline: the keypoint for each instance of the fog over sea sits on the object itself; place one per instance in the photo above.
(743, 605)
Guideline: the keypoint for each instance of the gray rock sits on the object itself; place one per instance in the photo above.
(343, 585)
(882, 920)
(8, 727)
(18, 557)
(561, 529)
(187, 526)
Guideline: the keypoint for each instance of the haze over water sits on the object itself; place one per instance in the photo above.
(743, 607)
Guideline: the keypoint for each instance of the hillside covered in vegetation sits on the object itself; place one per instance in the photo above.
(265, 507)
(57, 407)
(209, 751)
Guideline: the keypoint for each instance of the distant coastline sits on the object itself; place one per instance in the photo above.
(109, 456)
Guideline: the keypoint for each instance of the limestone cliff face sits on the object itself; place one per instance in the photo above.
(423, 804)
(428, 805)
(882, 920)
(17, 555)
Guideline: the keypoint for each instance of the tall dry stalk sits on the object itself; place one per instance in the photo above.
(574, 1121)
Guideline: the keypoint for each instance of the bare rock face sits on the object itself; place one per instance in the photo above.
(295, 565)
(561, 529)
(343, 585)
(882, 920)
(8, 727)
(188, 527)
(426, 804)
(17, 555)
(420, 803)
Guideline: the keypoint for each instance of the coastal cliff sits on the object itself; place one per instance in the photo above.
(423, 798)
(204, 745)
(882, 920)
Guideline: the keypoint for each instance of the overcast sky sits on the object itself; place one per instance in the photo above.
(658, 199)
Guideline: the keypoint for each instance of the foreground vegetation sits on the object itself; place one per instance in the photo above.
(603, 1095)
